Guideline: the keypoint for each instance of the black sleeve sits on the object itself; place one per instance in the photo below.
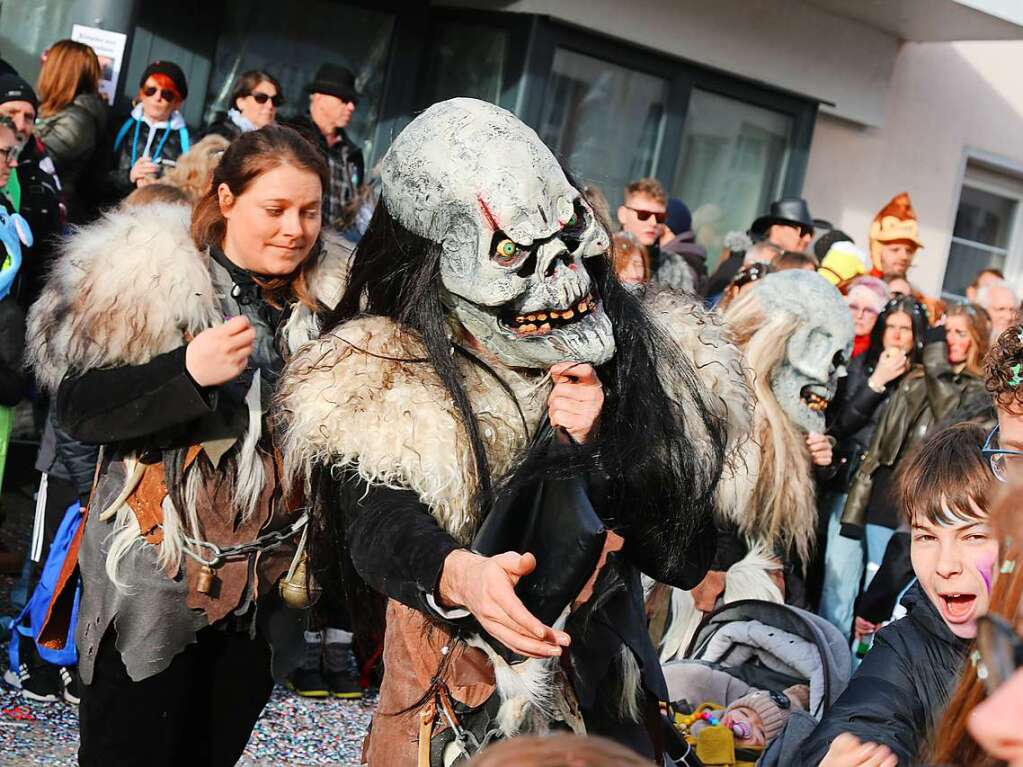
(675, 552)
(879, 705)
(855, 411)
(877, 601)
(116, 404)
(394, 542)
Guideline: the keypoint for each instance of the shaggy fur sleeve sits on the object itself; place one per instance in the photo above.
(123, 290)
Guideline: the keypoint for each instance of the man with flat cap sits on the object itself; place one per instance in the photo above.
(332, 101)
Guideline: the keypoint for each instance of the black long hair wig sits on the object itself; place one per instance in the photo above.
(659, 483)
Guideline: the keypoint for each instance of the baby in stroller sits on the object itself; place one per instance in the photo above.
(756, 679)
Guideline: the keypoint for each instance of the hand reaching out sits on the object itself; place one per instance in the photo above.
(847, 751)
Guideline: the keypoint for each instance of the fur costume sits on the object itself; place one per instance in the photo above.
(418, 411)
(767, 492)
(125, 290)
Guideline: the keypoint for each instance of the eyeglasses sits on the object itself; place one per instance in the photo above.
(1005, 464)
(261, 98)
(1000, 649)
(644, 215)
(859, 308)
(10, 155)
(150, 90)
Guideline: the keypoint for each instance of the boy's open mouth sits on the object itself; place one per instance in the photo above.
(957, 606)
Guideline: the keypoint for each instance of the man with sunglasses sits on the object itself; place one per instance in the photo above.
(643, 212)
(787, 224)
(333, 99)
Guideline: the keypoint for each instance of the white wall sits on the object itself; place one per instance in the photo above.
(944, 100)
(791, 45)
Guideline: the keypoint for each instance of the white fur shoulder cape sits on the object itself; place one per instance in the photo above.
(132, 286)
(363, 397)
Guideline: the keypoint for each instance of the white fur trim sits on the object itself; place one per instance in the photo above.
(124, 290)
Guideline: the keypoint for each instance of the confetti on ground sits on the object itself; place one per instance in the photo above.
(292, 731)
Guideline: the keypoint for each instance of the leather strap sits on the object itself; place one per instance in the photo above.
(427, 717)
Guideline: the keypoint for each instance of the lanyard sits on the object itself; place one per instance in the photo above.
(135, 142)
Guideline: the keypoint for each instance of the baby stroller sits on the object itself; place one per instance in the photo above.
(753, 644)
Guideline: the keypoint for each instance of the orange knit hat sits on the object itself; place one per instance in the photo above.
(895, 222)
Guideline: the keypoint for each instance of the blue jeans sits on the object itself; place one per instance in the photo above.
(843, 569)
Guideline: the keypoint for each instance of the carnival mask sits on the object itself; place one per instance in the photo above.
(817, 351)
(514, 233)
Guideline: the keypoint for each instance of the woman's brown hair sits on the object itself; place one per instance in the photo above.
(250, 156)
(69, 68)
(951, 743)
(1003, 369)
(624, 246)
(248, 82)
(978, 323)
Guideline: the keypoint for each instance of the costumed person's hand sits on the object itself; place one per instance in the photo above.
(485, 586)
(820, 449)
(706, 592)
(890, 365)
(847, 751)
(143, 171)
(862, 627)
(220, 354)
(576, 399)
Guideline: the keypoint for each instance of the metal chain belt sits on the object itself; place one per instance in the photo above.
(262, 543)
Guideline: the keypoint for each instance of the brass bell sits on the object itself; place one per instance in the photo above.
(204, 583)
(298, 589)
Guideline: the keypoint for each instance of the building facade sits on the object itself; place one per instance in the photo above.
(729, 103)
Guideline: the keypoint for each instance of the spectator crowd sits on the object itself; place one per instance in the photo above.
(876, 519)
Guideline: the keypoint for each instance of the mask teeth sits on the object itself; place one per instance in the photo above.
(545, 320)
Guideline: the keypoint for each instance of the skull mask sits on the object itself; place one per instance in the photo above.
(804, 382)
(513, 231)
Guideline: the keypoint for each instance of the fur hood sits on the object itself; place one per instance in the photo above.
(363, 397)
(132, 286)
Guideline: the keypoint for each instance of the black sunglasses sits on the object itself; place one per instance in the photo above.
(262, 98)
(643, 215)
(1000, 649)
(150, 90)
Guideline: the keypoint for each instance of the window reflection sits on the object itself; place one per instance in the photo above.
(605, 120)
(731, 166)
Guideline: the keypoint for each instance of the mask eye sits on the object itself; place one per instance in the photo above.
(506, 252)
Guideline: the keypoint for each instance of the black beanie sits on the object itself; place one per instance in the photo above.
(172, 70)
(14, 88)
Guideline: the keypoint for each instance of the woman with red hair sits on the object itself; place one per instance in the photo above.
(155, 134)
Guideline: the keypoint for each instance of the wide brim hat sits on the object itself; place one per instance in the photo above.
(789, 211)
(335, 80)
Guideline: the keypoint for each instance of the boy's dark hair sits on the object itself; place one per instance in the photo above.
(946, 479)
(791, 259)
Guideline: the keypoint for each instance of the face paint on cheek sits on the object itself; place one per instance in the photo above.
(986, 568)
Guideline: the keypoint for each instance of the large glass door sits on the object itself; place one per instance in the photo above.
(605, 120)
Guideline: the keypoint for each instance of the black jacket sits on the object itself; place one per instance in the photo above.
(41, 200)
(13, 386)
(853, 416)
(71, 137)
(222, 125)
(167, 141)
(897, 695)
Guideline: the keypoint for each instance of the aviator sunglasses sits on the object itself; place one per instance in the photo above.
(150, 90)
(261, 98)
(644, 215)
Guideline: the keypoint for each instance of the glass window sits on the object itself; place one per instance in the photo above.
(731, 166)
(292, 40)
(448, 75)
(980, 238)
(606, 121)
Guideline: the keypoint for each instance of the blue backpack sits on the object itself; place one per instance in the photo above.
(33, 614)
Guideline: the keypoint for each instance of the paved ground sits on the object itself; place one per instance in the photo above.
(292, 731)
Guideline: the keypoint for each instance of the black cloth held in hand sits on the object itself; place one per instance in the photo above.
(556, 522)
